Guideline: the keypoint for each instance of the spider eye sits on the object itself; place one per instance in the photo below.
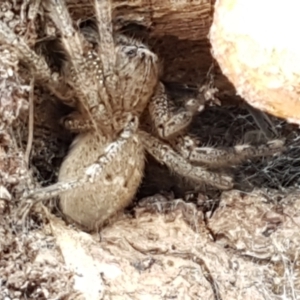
(131, 52)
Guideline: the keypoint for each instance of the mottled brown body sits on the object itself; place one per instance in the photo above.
(93, 203)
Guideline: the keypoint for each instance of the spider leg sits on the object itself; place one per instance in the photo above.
(165, 154)
(104, 24)
(170, 126)
(92, 172)
(86, 70)
(167, 123)
(36, 63)
(106, 46)
(189, 149)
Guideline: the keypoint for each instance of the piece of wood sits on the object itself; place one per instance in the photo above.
(256, 44)
(185, 19)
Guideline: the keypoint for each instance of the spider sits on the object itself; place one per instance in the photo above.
(113, 82)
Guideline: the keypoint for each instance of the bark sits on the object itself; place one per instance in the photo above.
(185, 19)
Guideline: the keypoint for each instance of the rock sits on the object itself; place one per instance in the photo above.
(256, 44)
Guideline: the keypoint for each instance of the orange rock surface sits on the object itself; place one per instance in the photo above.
(257, 46)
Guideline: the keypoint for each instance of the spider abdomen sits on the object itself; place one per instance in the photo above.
(93, 203)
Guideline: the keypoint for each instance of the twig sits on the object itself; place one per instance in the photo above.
(30, 123)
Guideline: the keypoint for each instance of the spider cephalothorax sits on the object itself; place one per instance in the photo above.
(135, 73)
(114, 80)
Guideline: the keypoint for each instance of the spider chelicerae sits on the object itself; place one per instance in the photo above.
(113, 82)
